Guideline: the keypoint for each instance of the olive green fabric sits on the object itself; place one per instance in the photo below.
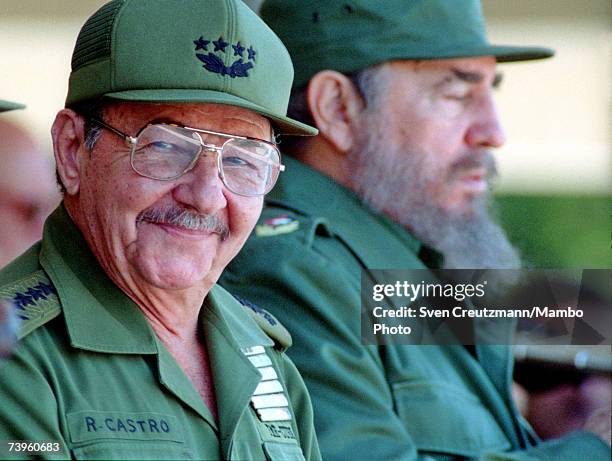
(352, 35)
(5, 106)
(393, 402)
(92, 375)
(216, 51)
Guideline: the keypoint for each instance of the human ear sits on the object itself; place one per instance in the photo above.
(335, 105)
(68, 133)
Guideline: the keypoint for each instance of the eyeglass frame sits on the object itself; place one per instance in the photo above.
(132, 142)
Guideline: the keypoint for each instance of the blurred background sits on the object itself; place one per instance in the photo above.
(555, 187)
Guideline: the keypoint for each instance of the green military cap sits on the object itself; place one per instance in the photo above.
(5, 106)
(189, 51)
(351, 35)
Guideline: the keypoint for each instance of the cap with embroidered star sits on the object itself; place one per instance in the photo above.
(215, 51)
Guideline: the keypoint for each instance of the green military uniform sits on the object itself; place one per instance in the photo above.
(393, 402)
(90, 373)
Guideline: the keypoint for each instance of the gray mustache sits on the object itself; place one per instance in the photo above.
(476, 160)
(186, 219)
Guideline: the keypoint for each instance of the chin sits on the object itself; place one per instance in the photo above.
(459, 207)
(463, 204)
(175, 275)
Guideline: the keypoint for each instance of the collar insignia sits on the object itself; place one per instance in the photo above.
(282, 224)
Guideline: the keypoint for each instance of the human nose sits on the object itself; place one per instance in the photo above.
(201, 188)
(486, 129)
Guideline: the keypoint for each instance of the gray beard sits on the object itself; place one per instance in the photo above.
(396, 182)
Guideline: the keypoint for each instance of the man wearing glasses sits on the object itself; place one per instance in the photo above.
(164, 152)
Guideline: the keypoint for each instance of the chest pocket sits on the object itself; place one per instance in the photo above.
(273, 451)
(120, 435)
(131, 450)
(277, 451)
(444, 420)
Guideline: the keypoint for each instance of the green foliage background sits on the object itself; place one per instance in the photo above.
(559, 231)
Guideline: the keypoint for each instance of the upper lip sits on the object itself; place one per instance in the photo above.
(195, 232)
(474, 173)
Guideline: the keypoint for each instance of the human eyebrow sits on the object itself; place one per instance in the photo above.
(477, 77)
(468, 77)
(459, 75)
(497, 81)
(164, 120)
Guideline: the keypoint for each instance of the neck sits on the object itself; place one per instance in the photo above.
(320, 155)
(173, 321)
(172, 313)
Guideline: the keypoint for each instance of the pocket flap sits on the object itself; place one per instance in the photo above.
(130, 450)
(278, 451)
(443, 419)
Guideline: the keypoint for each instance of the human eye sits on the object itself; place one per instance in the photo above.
(243, 169)
(457, 97)
(235, 161)
(240, 162)
(161, 146)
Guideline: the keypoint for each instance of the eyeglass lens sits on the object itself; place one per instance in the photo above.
(248, 167)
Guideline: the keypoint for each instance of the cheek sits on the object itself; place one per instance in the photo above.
(116, 196)
(429, 125)
(243, 215)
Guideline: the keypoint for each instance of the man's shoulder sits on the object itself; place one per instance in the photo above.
(21, 266)
(26, 286)
(283, 239)
(280, 223)
(250, 322)
(268, 323)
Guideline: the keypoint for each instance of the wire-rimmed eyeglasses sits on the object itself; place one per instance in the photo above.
(247, 166)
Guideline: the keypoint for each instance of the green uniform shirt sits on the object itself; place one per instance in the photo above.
(91, 374)
(395, 402)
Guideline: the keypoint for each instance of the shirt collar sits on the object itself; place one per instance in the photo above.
(307, 191)
(230, 318)
(102, 318)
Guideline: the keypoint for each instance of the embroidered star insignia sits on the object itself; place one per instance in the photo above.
(220, 44)
(238, 49)
(252, 53)
(201, 44)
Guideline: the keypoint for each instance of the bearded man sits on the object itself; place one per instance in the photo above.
(402, 95)
(128, 348)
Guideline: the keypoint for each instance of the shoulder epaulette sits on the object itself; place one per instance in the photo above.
(34, 299)
(268, 323)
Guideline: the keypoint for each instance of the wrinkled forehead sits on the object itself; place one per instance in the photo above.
(476, 69)
(132, 116)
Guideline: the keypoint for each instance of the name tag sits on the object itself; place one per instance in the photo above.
(277, 432)
(96, 425)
